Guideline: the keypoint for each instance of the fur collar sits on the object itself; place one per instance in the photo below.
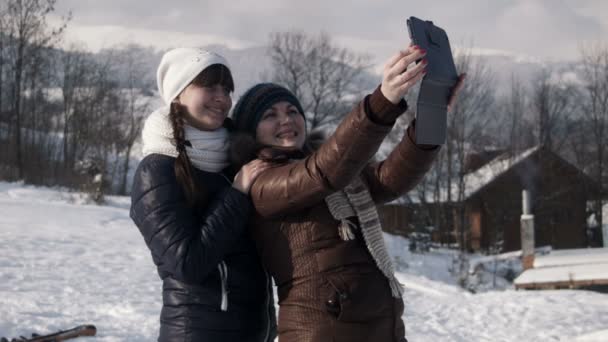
(244, 148)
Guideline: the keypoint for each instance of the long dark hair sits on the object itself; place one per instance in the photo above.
(196, 196)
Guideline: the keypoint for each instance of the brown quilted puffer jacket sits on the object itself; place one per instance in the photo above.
(330, 289)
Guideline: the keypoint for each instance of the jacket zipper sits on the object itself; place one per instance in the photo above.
(269, 298)
(226, 178)
(224, 281)
(268, 302)
(224, 271)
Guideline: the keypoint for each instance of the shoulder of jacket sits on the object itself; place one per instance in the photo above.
(152, 171)
(158, 168)
(154, 160)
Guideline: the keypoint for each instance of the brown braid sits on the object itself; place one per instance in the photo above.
(195, 195)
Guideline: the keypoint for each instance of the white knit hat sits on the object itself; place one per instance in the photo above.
(180, 66)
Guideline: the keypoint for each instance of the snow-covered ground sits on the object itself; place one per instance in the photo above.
(64, 263)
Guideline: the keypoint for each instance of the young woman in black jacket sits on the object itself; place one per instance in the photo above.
(192, 209)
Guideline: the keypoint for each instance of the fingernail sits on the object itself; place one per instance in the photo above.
(423, 50)
(425, 61)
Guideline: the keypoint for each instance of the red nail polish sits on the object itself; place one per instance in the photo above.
(423, 50)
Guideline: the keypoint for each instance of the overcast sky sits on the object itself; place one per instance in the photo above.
(549, 29)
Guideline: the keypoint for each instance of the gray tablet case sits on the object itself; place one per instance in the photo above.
(437, 84)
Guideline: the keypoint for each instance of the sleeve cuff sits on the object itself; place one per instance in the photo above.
(411, 134)
(382, 111)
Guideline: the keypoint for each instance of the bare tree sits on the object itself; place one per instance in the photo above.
(4, 119)
(133, 106)
(288, 52)
(82, 133)
(89, 96)
(467, 125)
(441, 194)
(3, 11)
(514, 107)
(595, 71)
(552, 104)
(27, 32)
(326, 78)
(104, 103)
(97, 127)
(79, 88)
(38, 141)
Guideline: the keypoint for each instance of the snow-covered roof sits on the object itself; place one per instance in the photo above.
(564, 274)
(476, 180)
(563, 257)
(589, 265)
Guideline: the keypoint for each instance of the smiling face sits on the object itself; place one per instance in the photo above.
(207, 99)
(206, 106)
(282, 125)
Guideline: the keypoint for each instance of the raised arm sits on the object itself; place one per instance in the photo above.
(291, 187)
(405, 167)
(407, 164)
(296, 185)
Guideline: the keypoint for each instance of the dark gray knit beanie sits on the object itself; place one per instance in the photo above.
(251, 106)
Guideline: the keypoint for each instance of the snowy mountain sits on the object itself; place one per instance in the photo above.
(249, 66)
(505, 65)
(252, 65)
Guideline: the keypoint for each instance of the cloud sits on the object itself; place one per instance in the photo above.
(543, 28)
(99, 37)
(550, 28)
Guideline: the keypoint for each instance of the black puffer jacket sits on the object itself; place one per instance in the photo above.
(214, 288)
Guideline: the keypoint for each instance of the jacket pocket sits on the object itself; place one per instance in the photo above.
(224, 285)
(357, 297)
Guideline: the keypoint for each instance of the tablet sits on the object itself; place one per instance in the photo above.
(436, 86)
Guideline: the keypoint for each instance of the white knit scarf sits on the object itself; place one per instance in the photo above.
(208, 150)
(355, 200)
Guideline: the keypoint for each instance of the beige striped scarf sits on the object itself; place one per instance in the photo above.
(355, 200)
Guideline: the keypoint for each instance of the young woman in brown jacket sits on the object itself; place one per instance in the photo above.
(316, 228)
